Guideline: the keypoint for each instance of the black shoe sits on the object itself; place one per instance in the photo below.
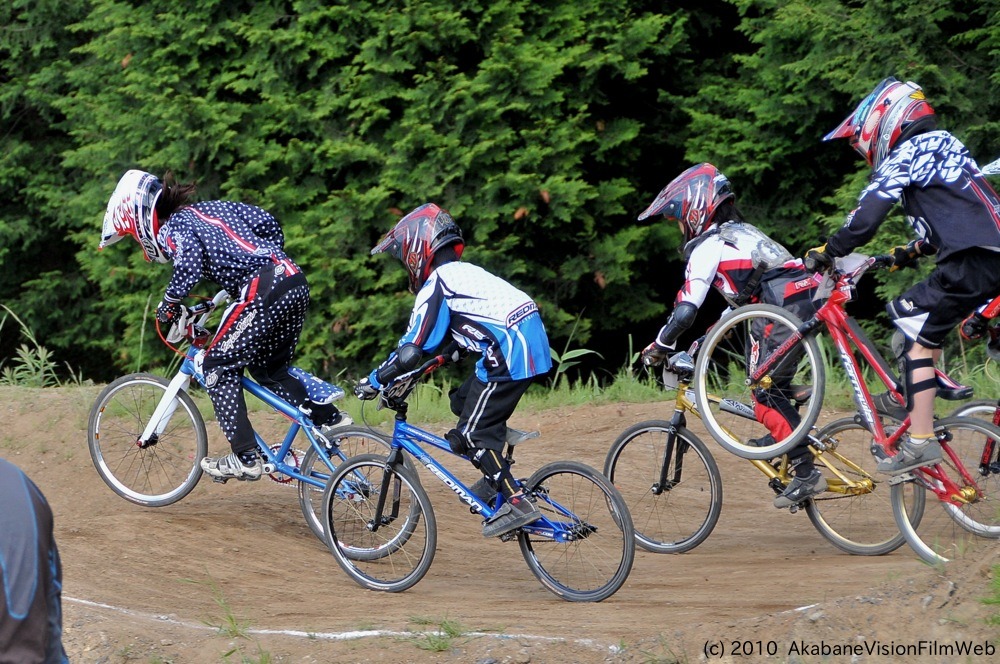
(887, 406)
(801, 488)
(517, 512)
(764, 441)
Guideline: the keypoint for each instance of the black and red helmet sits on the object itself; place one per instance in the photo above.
(417, 237)
(692, 199)
(892, 112)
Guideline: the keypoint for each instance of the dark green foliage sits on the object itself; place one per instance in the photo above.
(544, 127)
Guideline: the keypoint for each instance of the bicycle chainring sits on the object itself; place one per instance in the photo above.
(292, 458)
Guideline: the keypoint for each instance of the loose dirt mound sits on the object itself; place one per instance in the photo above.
(232, 573)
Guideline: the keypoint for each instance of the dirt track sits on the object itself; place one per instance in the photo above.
(150, 584)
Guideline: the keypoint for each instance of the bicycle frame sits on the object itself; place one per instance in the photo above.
(839, 483)
(407, 439)
(846, 333)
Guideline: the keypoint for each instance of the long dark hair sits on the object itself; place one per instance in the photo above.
(727, 211)
(174, 196)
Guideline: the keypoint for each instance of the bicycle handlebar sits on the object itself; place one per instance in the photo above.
(393, 395)
(190, 325)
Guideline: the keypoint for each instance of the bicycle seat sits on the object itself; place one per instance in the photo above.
(515, 436)
(951, 390)
(319, 390)
(801, 393)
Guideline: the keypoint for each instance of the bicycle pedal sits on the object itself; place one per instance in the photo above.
(220, 480)
(899, 479)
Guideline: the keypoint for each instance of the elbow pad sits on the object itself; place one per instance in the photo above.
(680, 320)
(406, 358)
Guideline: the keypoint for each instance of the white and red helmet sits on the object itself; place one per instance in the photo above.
(417, 237)
(692, 198)
(132, 211)
(892, 112)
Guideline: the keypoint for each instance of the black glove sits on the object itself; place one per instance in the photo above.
(818, 260)
(167, 311)
(907, 254)
(974, 327)
(364, 390)
(653, 354)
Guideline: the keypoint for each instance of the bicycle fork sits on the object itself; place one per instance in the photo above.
(165, 409)
(379, 519)
(672, 450)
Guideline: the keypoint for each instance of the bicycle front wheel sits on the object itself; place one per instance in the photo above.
(164, 469)
(390, 550)
(731, 409)
(855, 512)
(583, 548)
(968, 519)
(350, 441)
(671, 483)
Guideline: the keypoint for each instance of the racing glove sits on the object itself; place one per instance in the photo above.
(817, 259)
(906, 255)
(364, 390)
(974, 327)
(653, 354)
(167, 311)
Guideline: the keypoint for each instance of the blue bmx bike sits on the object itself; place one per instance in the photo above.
(380, 526)
(147, 437)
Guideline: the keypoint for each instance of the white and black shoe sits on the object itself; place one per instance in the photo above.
(231, 467)
(328, 432)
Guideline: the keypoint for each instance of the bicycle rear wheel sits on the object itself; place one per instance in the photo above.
(963, 527)
(730, 408)
(166, 468)
(983, 409)
(671, 483)
(583, 548)
(350, 441)
(855, 512)
(399, 552)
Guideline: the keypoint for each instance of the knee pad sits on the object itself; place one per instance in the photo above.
(900, 344)
(907, 367)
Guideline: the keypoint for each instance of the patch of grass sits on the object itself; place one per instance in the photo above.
(233, 627)
(440, 639)
(660, 653)
(994, 598)
(230, 625)
(33, 364)
(260, 657)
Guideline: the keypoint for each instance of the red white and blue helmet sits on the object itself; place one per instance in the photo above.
(132, 211)
(692, 199)
(892, 112)
(417, 237)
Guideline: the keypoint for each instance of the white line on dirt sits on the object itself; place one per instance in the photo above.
(329, 636)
